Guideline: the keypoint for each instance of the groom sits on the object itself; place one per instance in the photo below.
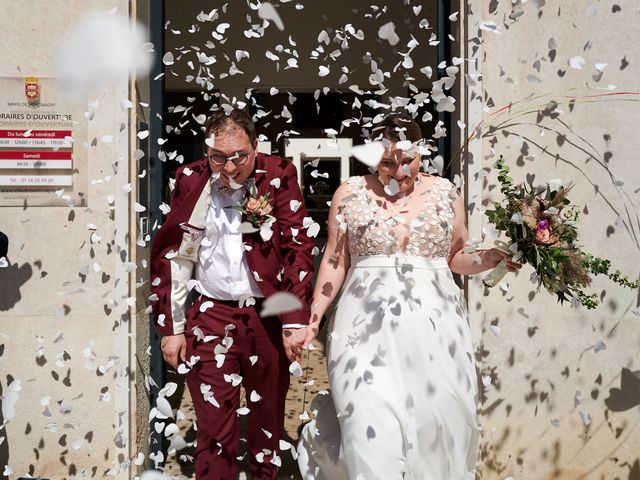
(233, 261)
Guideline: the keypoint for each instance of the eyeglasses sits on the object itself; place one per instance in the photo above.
(238, 158)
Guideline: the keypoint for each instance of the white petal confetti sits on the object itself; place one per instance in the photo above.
(577, 62)
(279, 303)
(392, 188)
(294, 205)
(388, 32)
(100, 49)
(268, 12)
(370, 153)
(255, 397)
(295, 369)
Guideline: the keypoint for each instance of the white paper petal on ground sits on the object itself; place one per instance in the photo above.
(370, 153)
(101, 48)
(577, 62)
(279, 303)
(268, 12)
(295, 369)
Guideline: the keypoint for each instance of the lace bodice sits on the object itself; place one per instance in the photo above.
(420, 224)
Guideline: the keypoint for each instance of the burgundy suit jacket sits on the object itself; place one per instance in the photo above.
(278, 262)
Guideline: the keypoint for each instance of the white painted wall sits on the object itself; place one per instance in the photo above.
(546, 375)
(78, 329)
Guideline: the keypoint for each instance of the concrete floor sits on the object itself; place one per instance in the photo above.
(301, 393)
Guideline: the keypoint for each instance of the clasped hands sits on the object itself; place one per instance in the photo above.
(295, 340)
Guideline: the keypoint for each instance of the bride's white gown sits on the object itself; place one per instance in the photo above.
(400, 358)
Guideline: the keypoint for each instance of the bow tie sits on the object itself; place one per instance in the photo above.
(226, 192)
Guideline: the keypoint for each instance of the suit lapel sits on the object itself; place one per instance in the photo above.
(253, 240)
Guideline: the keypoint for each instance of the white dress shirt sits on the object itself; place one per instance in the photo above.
(222, 271)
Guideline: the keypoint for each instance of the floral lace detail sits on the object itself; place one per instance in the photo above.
(426, 232)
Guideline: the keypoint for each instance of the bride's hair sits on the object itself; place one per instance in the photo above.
(394, 125)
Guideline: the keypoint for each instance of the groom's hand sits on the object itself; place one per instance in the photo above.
(174, 348)
(293, 340)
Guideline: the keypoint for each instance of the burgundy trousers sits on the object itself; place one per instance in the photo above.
(250, 347)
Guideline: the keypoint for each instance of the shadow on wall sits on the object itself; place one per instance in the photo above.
(12, 278)
(628, 395)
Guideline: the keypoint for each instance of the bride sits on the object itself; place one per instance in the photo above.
(399, 358)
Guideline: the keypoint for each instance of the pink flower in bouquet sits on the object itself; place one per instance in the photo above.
(543, 232)
(542, 225)
(253, 206)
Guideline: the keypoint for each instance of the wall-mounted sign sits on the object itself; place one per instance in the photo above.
(36, 181)
(35, 160)
(38, 132)
(35, 139)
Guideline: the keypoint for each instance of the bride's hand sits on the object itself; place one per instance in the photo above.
(312, 332)
(493, 256)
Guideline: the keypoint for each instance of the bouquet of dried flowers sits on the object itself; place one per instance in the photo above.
(541, 223)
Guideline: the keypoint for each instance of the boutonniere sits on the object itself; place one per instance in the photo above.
(256, 209)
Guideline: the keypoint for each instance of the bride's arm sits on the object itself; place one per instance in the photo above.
(334, 265)
(467, 263)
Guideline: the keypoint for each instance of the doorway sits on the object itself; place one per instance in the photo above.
(324, 71)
